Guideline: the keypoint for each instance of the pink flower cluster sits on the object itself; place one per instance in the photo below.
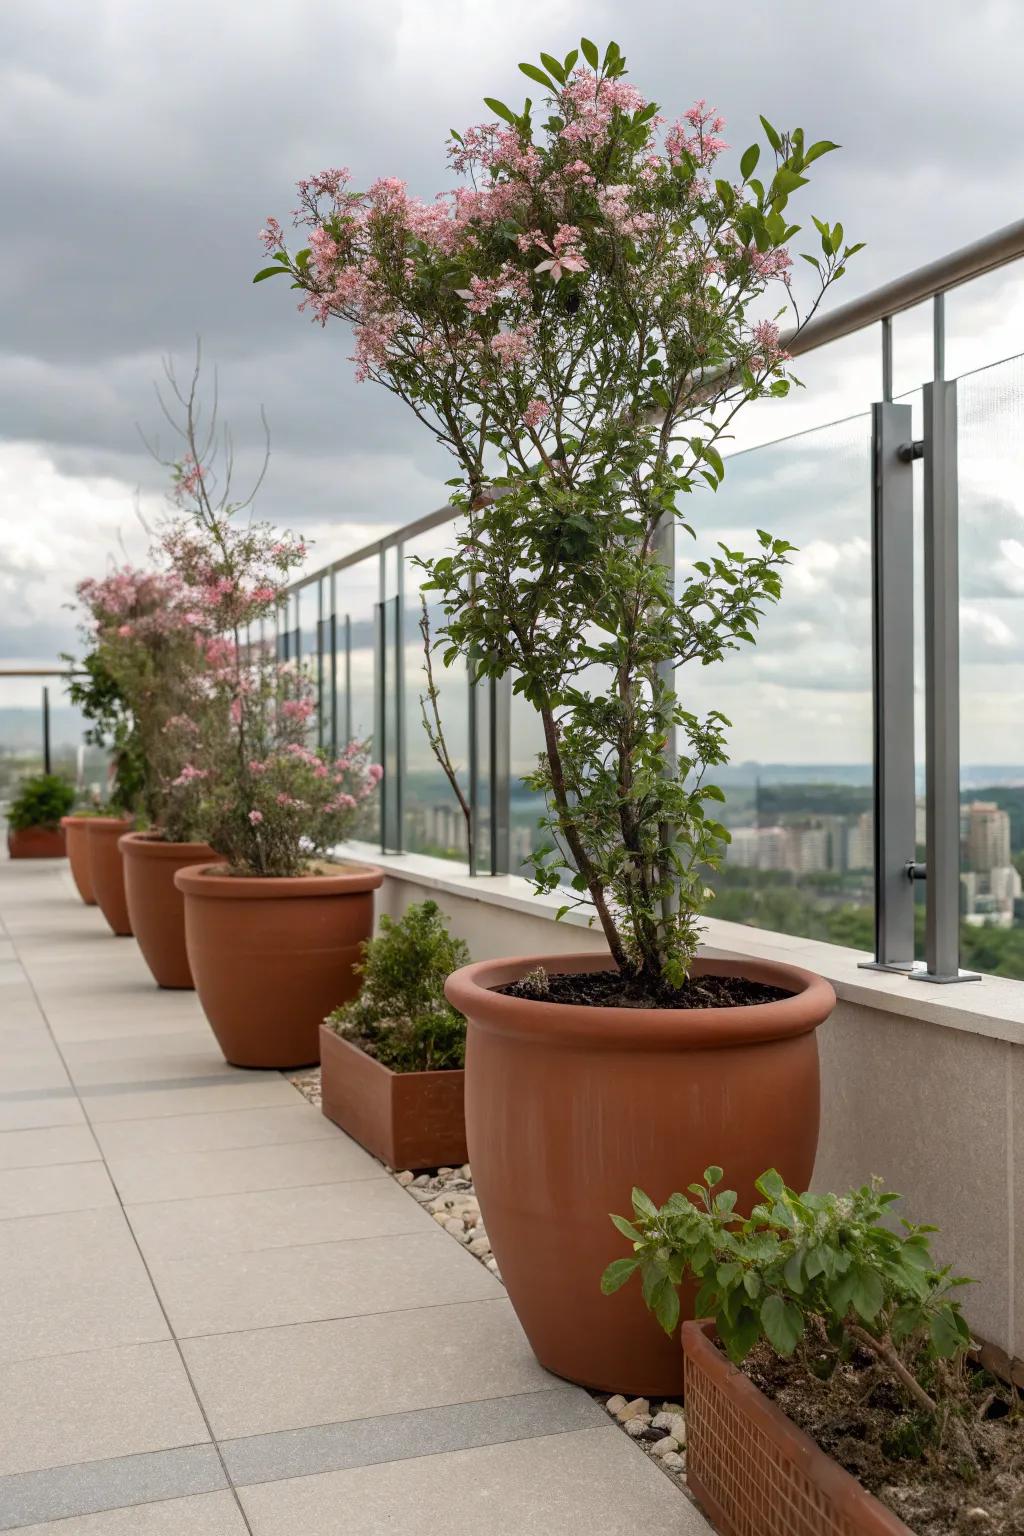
(697, 135)
(589, 106)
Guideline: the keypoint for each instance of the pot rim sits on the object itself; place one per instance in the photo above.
(109, 824)
(77, 816)
(326, 1032)
(149, 845)
(203, 880)
(810, 1004)
(849, 1496)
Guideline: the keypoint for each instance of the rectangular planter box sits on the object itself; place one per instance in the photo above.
(752, 1470)
(407, 1119)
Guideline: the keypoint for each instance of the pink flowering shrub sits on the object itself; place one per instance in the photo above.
(296, 803)
(579, 320)
(141, 635)
(263, 799)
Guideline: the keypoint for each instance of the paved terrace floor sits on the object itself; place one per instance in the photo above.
(219, 1315)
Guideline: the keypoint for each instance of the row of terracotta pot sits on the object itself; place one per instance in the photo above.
(566, 1108)
(561, 1110)
(269, 959)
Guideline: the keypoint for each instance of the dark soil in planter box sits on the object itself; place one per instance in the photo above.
(961, 1472)
(606, 989)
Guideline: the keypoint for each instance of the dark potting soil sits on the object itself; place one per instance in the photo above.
(959, 1471)
(606, 989)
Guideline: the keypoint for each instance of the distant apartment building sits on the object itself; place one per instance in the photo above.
(860, 845)
(986, 836)
(802, 850)
(991, 898)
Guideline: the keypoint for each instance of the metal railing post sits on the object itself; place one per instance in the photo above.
(892, 655)
(333, 628)
(47, 761)
(401, 765)
(380, 736)
(500, 783)
(320, 663)
(942, 675)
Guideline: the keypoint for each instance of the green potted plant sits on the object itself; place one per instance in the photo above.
(93, 835)
(272, 931)
(830, 1370)
(35, 815)
(579, 324)
(392, 1059)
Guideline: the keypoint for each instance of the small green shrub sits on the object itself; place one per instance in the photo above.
(401, 1017)
(799, 1262)
(40, 802)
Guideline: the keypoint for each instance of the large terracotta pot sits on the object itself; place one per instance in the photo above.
(567, 1108)
(752, 1469)
(407, 1119)
(76, 839)
(156, 908)
(106, 870)
(36, 843)
(272, 957)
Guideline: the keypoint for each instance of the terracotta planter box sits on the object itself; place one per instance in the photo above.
(407, 1119)
(568, 1107)
(752, 1470)
(76, 837)
(36, 843)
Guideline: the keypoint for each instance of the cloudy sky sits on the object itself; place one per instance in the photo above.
(145, 143)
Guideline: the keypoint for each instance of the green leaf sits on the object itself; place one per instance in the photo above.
(770, 1185)
(785, 182)
(627, 1229)
(868, 1293)
(946, 1337)
(823, 147)
(782, 1322)
(500, 110)
(556, 70)
(749, 160)
(644, 1206)
(533, 73)
(617, 1273)
(774, 139)
(268, 272)
(665, 1305)
(590, 52)
(792, 1272)
(713, 1176)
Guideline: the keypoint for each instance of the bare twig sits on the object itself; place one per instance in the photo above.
(431, 713)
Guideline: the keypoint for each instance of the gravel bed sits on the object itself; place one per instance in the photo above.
(658, 1426)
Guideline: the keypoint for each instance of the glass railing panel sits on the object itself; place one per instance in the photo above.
(23, 734)
(433, 821)
(990, 407)
(799, 782)
(356, 623)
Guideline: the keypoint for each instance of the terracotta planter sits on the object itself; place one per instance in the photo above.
(407, 1119)
(752, 1469)
(36, 843)
(271, 958)
(156, 908)
(76, 839)
(106, 870)
(567, 1108)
